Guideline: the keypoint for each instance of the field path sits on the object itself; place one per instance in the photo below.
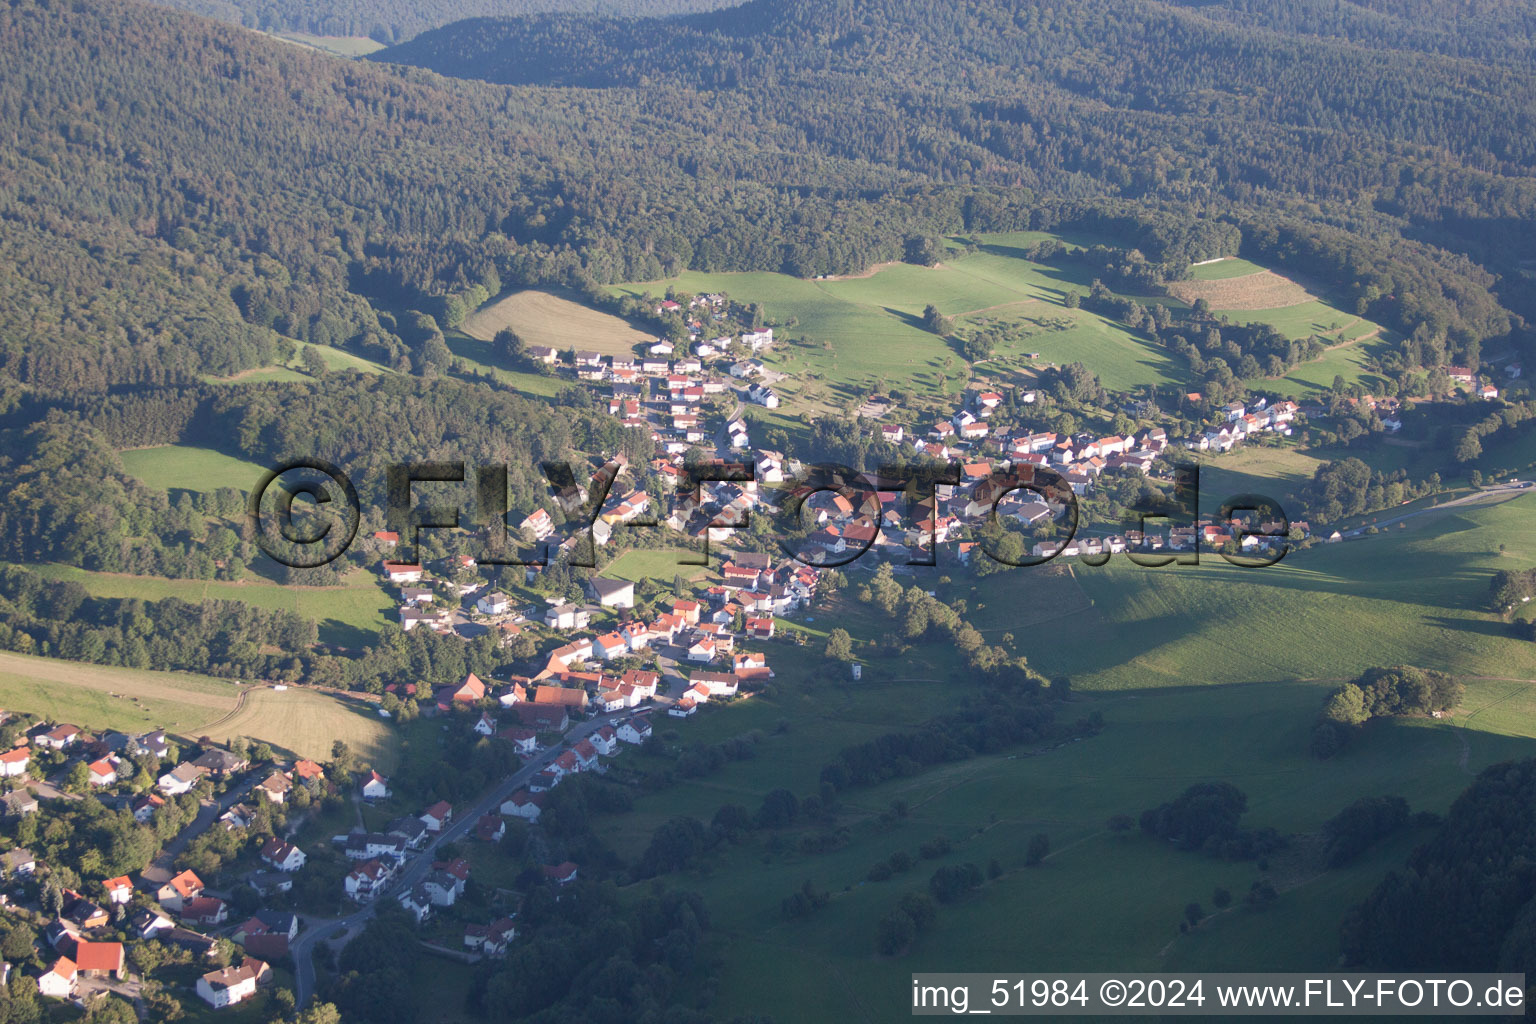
(229, 716)
(1000, 305)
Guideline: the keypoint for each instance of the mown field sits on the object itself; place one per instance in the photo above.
(295, 721)
(190, 468)
(1409, 595)
(656, 564)
(304, 723)
(555, 319)
(101, 697)
(1230, 266)
(347, 615)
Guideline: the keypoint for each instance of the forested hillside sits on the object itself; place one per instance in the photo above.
(1196, 106)
(192, 197)
(389, 21)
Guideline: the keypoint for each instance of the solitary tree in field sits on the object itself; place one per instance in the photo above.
(1039, 846)
(839, 645)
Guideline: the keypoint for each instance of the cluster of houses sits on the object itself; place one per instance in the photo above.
(104, 755)
(81, 954)
(81, 935)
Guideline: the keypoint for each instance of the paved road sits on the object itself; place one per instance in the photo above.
(419, 864)
(1474, 498)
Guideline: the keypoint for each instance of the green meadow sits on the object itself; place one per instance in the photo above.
(1408, 595)
(1231, 266)
(347, 614)
(189, 468)
(1100, 901)
(864, 332)
(1201, 673)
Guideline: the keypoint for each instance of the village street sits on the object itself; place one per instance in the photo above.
(417, 866)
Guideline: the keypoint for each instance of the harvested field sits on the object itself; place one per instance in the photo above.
(1264, 290)
(553, 319)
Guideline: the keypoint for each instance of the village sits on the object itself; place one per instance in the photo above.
(592, 669)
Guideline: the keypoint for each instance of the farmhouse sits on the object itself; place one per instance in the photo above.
(564, 696)
(99, 959)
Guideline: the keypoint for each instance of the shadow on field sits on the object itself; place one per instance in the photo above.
(1482, 627)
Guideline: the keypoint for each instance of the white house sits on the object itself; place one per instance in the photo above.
(523, 805)
(375, 787)
(636, 730)
(495, 603)
(437, 817)
(365, 880)
(417, 903)
(283, 856)
(14, 762)
(58, 982)
(403, 572)
(610, 646)
(613, 593)
(232, 984)
(757, 340)
(179, 780)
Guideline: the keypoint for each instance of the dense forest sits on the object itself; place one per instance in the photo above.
(1186, 106)
(157, 232)
(391, 21)
(1466, 901)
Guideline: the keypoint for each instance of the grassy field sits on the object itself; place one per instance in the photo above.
(553, 318)
(190, 468)
(304, 723)
(347, 615)
(867, 329)
(335, 359)
(1100, 901)
(295, 721)
(101, 697)
(1228, 266)
(1210, 672)
(864, 331)
(656, 564)
(341, 46)
(1409, 595)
